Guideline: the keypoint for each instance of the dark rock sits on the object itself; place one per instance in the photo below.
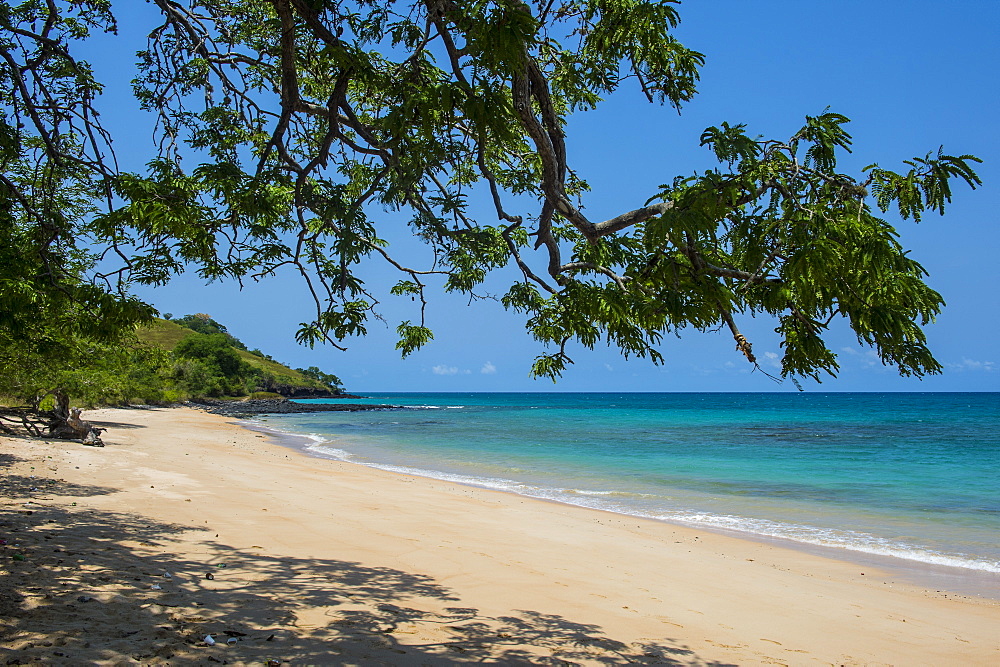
(307, 392)
(268, 406)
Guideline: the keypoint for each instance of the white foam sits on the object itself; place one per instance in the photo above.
(331, 452)
(841, 539)
(258, 425)
(434, 407)
(600, 499)
(612, 494)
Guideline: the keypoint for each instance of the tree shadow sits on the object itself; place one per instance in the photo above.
(31, 489)
(7, 460)
(81, 586)
(115, 425)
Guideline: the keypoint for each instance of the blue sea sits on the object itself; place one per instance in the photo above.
(907, 477)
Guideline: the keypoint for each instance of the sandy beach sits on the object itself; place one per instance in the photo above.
(187, 526)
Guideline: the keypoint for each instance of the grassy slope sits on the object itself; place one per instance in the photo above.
(166, 334)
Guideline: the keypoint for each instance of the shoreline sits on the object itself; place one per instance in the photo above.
(934, 576)
(325, 558)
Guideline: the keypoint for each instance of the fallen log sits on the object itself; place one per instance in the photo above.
(87, 432)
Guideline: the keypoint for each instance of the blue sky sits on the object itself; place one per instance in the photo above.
(911, 75)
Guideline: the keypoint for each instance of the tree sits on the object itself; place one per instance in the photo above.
(67, 365)
(61, 333)
(219, 368)
(203, 323)
(213, 349)
(308, 115)
(329, 380)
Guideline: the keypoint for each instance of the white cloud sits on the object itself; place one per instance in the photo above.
(444, 369)
(772, 359)
(609, 367)
(722, 368)
(973, 365)
(867, 358)
(488, 368)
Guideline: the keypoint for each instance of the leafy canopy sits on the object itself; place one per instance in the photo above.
(304, 118)
(329, 380)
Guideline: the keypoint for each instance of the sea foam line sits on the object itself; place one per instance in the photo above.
(434, 407)
(840, 539)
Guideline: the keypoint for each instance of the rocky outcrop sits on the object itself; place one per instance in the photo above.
(308, 392)
(269, 406)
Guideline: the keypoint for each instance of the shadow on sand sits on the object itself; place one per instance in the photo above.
(116, 425)
(80, 586)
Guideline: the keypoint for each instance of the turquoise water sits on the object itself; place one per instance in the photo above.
(911, 476)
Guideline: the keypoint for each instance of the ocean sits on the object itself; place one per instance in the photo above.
(910, 479)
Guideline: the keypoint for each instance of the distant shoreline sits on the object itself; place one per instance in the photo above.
(271, 406)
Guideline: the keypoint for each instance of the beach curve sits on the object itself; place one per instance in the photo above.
(279, 557)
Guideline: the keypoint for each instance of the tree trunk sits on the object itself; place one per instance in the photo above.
(61, 410)
(58, 428)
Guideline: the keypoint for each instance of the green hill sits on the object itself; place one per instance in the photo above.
(164, 333)
(282, 379)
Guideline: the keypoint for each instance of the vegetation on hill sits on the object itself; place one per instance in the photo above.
(161, 362)
(210, 361)
(266, 373)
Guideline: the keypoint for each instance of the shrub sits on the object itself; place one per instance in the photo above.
(264, 394)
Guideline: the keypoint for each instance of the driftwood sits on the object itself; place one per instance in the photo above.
(66, 422)
(63, 423)
(87, 432)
